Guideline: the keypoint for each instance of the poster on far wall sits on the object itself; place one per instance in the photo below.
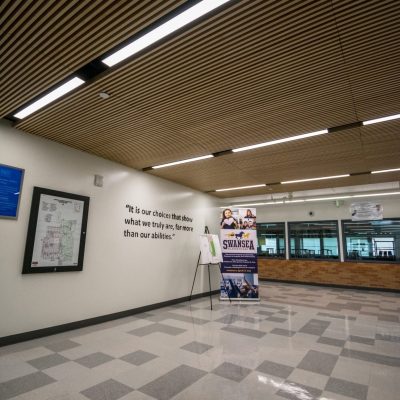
(56, 232)
(238, 236)
(366, 211)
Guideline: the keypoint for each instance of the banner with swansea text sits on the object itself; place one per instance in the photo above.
(238, 236)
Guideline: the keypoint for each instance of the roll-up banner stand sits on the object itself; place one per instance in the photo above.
(238, 238)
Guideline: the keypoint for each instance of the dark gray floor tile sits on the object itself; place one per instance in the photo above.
(275, 369)
(108, 390)
(276, 319)
(318, 362)
(387, 338)
(147, 330)
(282, 332)
(334, 306)
(373, 314)
(185, 318)
(338, 316)
(274, 307)
(389, 310)
(388, 318)
(286, 312)
(296, 391)
(362, 340)
(17, 386)
(232, 371)
(345, 298)
(371, 357)
(94, 359)
(138, 357)
(62, 345)
(197, 347)
(315, 327)
(173, 382)
(353, 306)
(331, 341)
(48, 361)
(346, 388)
(232, 318)
(244, 331)
(266, 313)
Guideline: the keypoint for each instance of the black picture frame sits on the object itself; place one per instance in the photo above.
(56, 244)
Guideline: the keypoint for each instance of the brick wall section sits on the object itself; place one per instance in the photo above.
(371, 275)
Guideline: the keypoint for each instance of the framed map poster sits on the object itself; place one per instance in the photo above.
(56, 232)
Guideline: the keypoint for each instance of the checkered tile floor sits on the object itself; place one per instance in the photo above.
(299, 342)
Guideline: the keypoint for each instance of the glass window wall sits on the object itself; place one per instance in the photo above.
(377, 241)
(271, 239)
(314, 240)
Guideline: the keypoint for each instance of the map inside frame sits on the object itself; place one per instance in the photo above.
(56, 232)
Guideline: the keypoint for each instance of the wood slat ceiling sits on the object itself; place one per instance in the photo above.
(256, 71)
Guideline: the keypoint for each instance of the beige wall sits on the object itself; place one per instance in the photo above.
(119, 273)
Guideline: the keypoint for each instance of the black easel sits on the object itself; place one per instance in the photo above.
(206, 231)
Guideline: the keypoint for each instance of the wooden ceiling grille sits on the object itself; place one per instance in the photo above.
(256, 71)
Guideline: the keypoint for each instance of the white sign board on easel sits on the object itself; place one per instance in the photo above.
(210, 249)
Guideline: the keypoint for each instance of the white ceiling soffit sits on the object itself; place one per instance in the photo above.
(338, 191)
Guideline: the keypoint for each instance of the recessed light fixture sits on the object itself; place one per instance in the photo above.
(240, 187)
(104, 95)
(182, 161)
(385, 170)
(163, 30)
(317, 179)
(383, 119)
(288, 139)
(50, 97)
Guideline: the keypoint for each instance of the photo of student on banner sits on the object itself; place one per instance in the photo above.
(228, 221)
(239, 286)
(247, 218)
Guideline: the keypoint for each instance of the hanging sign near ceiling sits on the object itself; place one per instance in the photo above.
(366, 211)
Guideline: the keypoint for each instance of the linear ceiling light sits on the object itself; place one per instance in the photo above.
(385, 170)
(288, 139)
(353, 196)
(383, 119)
(172, 25)
(329, 198)
(258, 204)
(240, 187)
(317, 179)
(183, 161)
(50, 97)
(376, 194)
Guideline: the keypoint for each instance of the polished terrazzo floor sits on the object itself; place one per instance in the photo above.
(299, 342)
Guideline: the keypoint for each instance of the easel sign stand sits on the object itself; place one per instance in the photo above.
(206, 231)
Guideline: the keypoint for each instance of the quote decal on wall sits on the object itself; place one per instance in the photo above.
(155, 224)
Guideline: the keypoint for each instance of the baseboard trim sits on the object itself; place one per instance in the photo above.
(22, 337)
(332, 285)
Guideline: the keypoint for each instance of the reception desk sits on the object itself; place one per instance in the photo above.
(352, 274)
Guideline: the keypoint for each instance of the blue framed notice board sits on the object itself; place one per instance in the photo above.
(10, 190)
